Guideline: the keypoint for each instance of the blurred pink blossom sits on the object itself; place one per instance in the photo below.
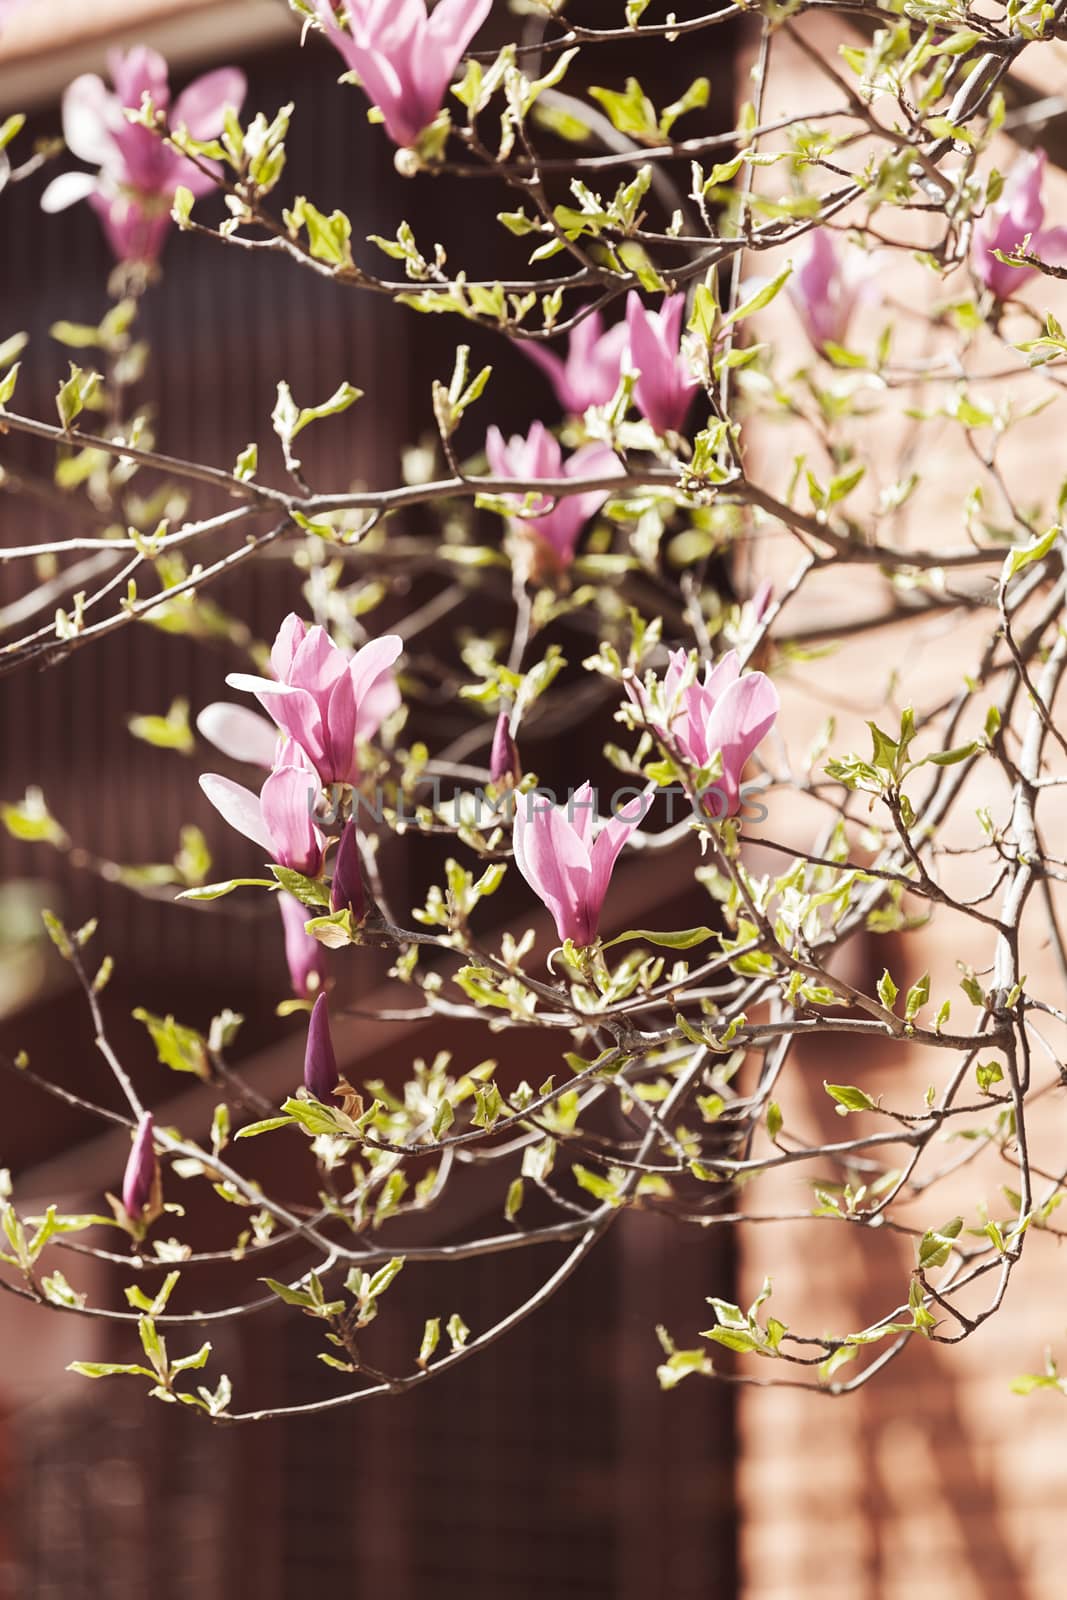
(589, 375)
(829, 281)
(1019, 211)
(666, 386)
(403, 57)
(539, 456)
(133, 189)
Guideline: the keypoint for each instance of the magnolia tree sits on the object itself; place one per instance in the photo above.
(668, 1052)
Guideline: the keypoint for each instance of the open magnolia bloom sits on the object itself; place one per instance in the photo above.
(322, 698)
(403, 57)
(726, 717)
(564, 865)
(137, 174)
(556, 528)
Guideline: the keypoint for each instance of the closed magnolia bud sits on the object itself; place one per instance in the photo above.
(504, 764)
(346, 890)
(141, 1182)
(320, 1065)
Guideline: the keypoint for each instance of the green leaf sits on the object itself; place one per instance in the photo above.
(268, 1125)
(761, 298)
(917, 996)
(431, 1336)
(684, 939)
(936, 1244)
(182, 208)
(31, 821)
(849, 1098)
(7, 384)
(887, 990)
(292, 1297)
(215, 891)
(774, 1120)
(79, 391)
(631, 112)
(182, 1049)
(309, 891)
(1018, 559)
(169, 732)
(457, 1331)
(328, 237)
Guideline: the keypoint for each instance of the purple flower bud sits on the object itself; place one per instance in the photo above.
(141, 1179)
(504, 758)
(346, 890)
(320, 1065)
(762, 600)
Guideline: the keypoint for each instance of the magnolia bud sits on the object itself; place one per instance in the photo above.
(346, 890)
(141, 1182)
(762, 599)
(504, 764)
(320, 1065)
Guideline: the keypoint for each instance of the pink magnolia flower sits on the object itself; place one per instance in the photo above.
(304, 955)
(590, 374)
(827, 284)
(133, 189)
(565, 867)
(403, 57)
(666, 385)
(322, 698)
(280, 818)
(726, 715)
(1006, 223)
(539, 456)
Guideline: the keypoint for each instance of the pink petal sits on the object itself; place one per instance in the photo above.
(200, 107)
(581, 812)
(339, 733)
(455, 22)
(239, 732)
(288, 640)
(610, 841)
(89, 111)
(555, 864)
(239, 806)
(305, 956)
(318, 663)
(743, 717)
(287, 799)
(68, 189)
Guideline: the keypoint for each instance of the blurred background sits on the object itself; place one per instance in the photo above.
(552, 1464)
